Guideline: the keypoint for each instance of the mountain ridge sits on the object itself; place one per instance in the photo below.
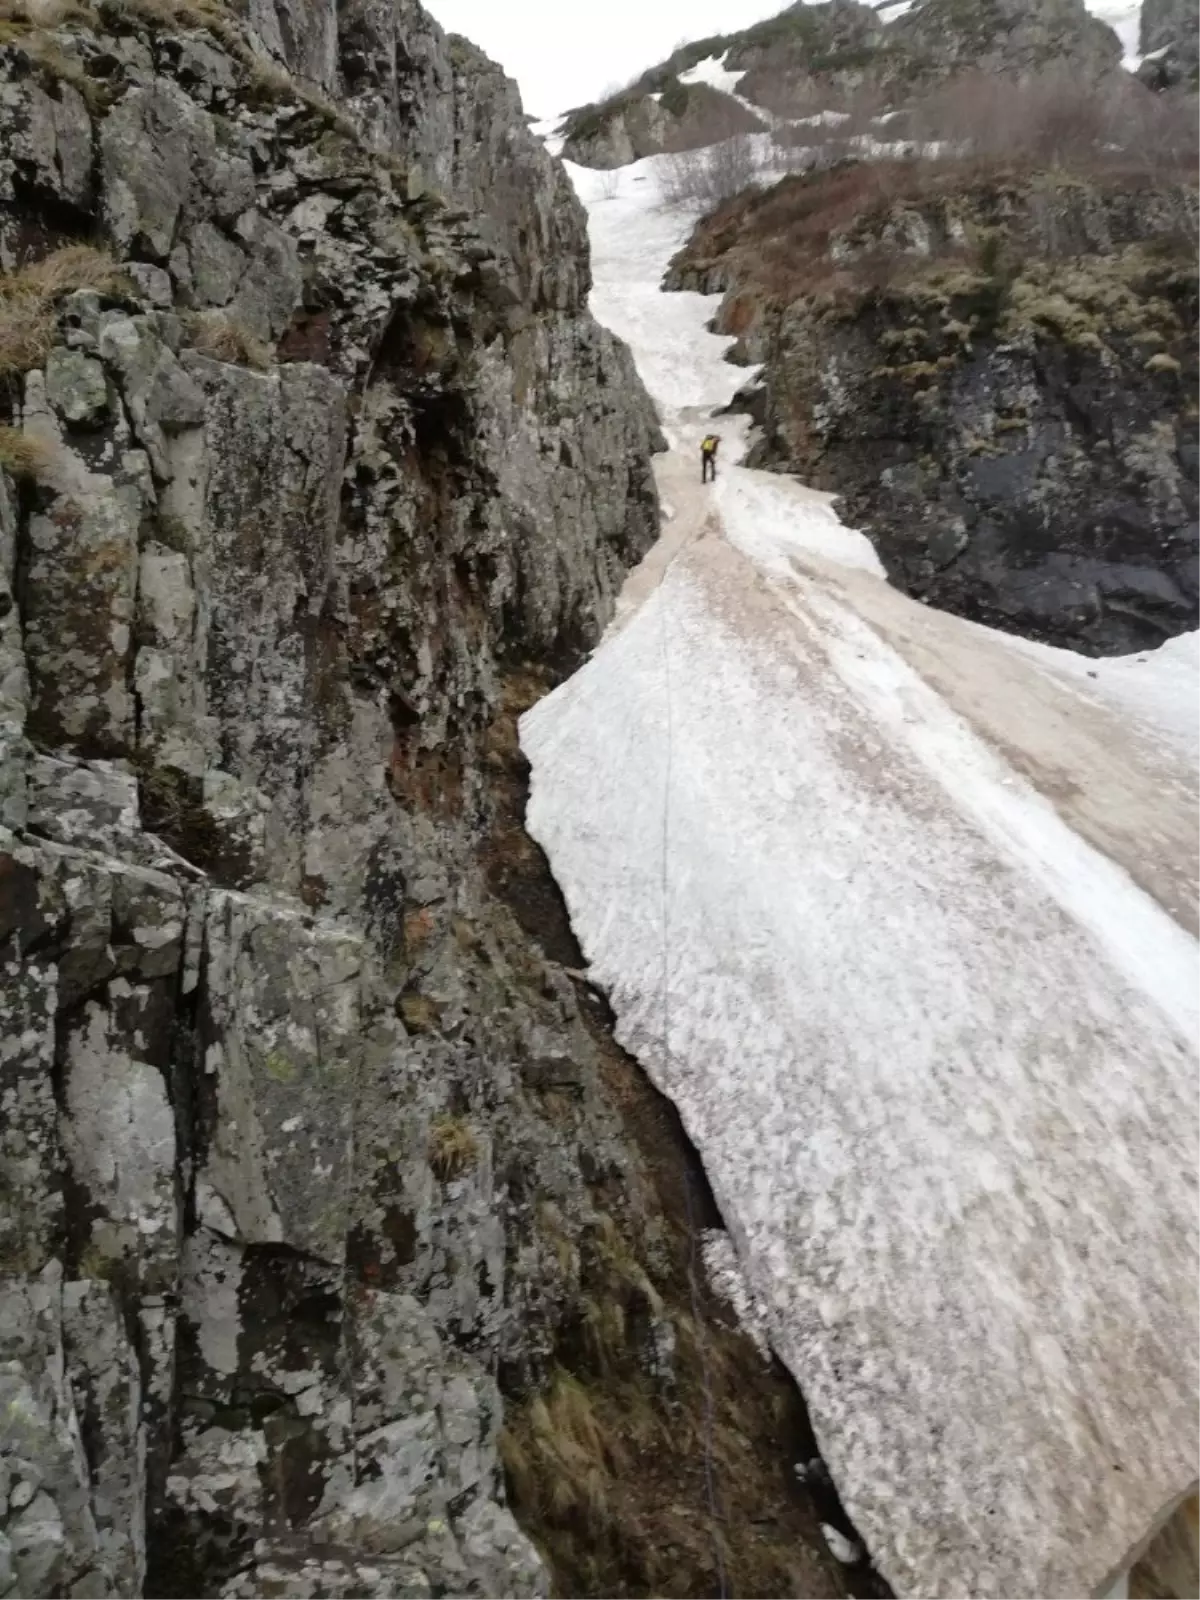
(840, 48)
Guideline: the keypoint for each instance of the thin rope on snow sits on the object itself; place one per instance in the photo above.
(710, 1481)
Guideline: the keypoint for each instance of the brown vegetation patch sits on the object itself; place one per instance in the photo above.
(28, 296)
(222, 338)
(172, 806)
(425, 780)
(21, 456)
(864, 229)
(453, 1147)
(846, 155)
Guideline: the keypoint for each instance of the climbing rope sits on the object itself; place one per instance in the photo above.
(710, 1482)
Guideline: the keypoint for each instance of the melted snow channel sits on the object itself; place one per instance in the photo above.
(896, 911)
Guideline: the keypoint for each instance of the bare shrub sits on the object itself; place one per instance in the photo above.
(681, 177)
(1055, 120)
(1161, 134)
(856, 133)
(732, 166)
(820, 127)
(608, 183)
(796, 145)
(708, 176)
(792, 98)
(712, 169)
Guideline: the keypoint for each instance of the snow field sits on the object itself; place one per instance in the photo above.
(870, 919)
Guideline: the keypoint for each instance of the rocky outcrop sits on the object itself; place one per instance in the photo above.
(1163, 21)
(938, 38)
(1170, 42)
(839, 53)
(622, 134)
(316, 1194)
(997, 377)
(674, 116)
(827, 46)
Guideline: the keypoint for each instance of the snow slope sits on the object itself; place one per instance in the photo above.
(1124, 17)
(899, 912)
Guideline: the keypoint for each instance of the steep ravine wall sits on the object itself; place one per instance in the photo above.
(322, 1185)
(996, 372)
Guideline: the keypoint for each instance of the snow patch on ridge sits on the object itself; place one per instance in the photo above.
(1124, 17)
(713, 72)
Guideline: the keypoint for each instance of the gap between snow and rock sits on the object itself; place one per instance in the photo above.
(918, 901)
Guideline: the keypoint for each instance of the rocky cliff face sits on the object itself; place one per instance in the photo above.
(998, 376)
(939, 37)
(319, 1182)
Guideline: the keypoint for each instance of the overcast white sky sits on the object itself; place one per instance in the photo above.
(563, 55)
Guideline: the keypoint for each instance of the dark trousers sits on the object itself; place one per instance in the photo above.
(708, 466)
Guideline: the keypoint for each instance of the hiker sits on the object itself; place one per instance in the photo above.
(708, 457)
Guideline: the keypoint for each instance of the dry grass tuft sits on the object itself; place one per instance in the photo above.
(562, 1455)
(272, 80)
(623, 1269)
(605, 1332)
(47, 14)
(21, 456)
(31, 27)
(220, 337)
(173, 807)
(209, 15)
(27, 299)
(276, 84)
(75, 266)
(453, 1147)
(26, 334)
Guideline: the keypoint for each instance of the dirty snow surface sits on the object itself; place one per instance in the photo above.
(1124, 17)
(900, 913)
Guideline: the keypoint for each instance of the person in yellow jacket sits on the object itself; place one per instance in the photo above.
(708, 457)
